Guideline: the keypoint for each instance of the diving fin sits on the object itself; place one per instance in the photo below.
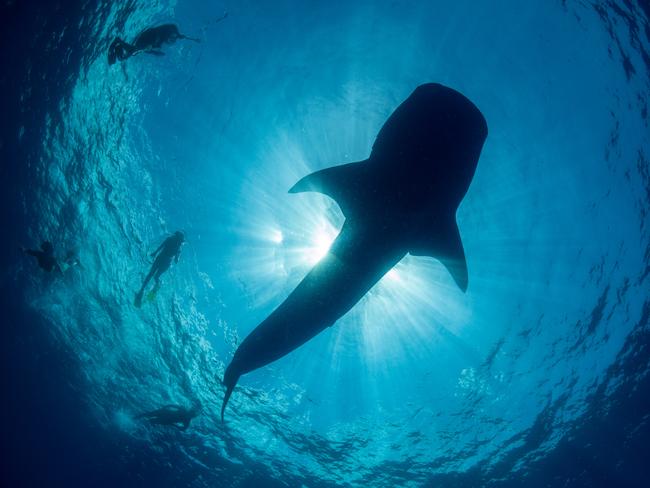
(151, 296)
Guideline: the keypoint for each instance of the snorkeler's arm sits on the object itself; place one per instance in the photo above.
(183, 36)
(189, 38)
(178, 254)
(31, 252)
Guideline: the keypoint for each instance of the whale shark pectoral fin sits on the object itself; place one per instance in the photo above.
(341, 183)
(447, 248)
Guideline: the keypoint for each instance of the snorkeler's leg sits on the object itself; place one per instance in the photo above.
(138, 296)
(163, 266)
(147, 279)
(156, 286)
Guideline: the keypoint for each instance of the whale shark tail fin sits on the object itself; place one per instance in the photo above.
(446, 247)
(341, 183)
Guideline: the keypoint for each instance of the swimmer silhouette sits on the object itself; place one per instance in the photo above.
(45, 257)
(168, 250)
(402, 199)
(149, 41)
(175, 415)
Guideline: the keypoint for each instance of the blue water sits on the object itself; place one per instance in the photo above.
(539, 375)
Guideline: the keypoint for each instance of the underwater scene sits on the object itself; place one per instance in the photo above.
(374, 243)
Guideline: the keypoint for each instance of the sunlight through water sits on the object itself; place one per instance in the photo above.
(420, 383)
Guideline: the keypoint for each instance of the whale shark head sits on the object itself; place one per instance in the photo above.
(420, 168)
(431, 144)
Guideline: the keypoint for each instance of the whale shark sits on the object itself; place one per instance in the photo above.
(402, 199)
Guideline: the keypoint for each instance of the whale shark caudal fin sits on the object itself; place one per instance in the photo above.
(341, 183)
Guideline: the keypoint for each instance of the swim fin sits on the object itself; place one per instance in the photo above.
(152, 294)
(138, 299)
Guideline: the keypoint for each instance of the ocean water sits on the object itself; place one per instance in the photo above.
(537, 376)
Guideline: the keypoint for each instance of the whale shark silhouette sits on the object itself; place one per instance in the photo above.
(402, 199)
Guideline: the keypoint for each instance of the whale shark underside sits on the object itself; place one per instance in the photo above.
(402, 199)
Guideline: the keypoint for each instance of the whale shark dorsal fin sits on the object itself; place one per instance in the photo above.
(341, 183)
(445, 246)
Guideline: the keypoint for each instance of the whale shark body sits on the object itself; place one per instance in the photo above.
(402, 199)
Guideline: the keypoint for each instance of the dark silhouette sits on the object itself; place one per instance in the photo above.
(45, 257)
(175, 415)
(402, 199)
(149, 41)
(168, 250)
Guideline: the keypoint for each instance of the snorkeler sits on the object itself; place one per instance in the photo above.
(168, 250)
(149, 41)
(172, 415)
(45, 257)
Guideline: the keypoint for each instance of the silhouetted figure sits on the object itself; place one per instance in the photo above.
(45, 257)
(175, 415)
(149, 41)
(402, 199)
(168, 250)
